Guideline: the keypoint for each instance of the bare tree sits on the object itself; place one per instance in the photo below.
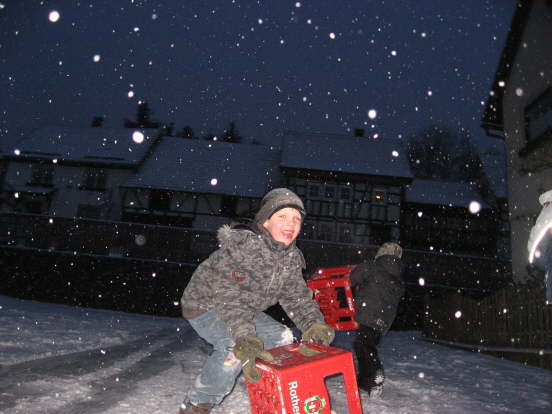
(437, 152)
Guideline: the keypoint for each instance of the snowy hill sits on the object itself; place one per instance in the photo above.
(57, 359)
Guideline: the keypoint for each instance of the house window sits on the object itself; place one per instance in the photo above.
(325, 231)
(160, 200)
(538, 117)
(379, 213)
(345, 193)
(33, 206)
(329, 192)
(42, 174)
(308, 230)
(94, 179)
(314, 191)
(345, 233)
(379, 196)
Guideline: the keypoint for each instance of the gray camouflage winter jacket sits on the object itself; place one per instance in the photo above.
(247, 274)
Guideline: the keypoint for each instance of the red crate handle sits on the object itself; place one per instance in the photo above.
(327, 272)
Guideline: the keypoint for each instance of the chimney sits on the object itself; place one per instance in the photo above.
(359, 132)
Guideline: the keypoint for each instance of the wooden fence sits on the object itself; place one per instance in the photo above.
(515, 321)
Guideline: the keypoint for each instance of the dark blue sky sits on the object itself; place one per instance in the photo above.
(270, 66)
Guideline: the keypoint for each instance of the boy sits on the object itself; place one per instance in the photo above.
(256, 266)
(378, 287)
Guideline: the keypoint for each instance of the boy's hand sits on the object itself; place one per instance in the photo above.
(319, 332)
(247, 349)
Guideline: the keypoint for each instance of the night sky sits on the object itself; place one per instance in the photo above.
(270, 66)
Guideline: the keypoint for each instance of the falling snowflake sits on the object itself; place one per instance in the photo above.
(138, 137)
(421, 281)
(458, 314)
(96, 58)
(474, 207)
(214, 181)
(54, 16)
(332, 35)
(372, 113)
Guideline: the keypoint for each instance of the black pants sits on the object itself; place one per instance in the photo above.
(369, 364)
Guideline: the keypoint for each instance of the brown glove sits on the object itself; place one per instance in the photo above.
(319, 332)
(247, 349)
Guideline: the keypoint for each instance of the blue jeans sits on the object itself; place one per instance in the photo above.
(219, 373)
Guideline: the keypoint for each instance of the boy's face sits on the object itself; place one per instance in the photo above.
(284, 225)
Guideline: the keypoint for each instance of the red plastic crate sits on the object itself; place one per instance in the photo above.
(294, 383)
(338, 310)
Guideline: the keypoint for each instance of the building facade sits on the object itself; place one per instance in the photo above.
(72, 172)
(167, 198)
(519, 111)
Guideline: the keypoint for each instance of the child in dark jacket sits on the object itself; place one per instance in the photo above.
(256, 266)
(378, 287)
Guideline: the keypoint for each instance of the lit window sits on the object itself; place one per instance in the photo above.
(379, 196)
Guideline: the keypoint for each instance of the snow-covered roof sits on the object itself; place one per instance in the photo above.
(493, 160)
(194, 165)
(446, 193)
(97, 145)
(346, 154)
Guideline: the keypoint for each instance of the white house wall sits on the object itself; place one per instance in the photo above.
(530, 77)
(67, 195)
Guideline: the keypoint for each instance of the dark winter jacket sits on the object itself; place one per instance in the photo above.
(378, 287)
(247, 274)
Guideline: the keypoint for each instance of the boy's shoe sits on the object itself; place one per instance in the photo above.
(373, 387)
(189, 408)
(376, 391)
(377, 388)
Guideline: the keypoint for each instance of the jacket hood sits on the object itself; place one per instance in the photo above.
(237, 231)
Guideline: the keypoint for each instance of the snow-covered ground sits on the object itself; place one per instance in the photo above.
(65, 360)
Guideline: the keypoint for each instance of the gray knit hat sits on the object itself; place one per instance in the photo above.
(389, 248)
(278, 199)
